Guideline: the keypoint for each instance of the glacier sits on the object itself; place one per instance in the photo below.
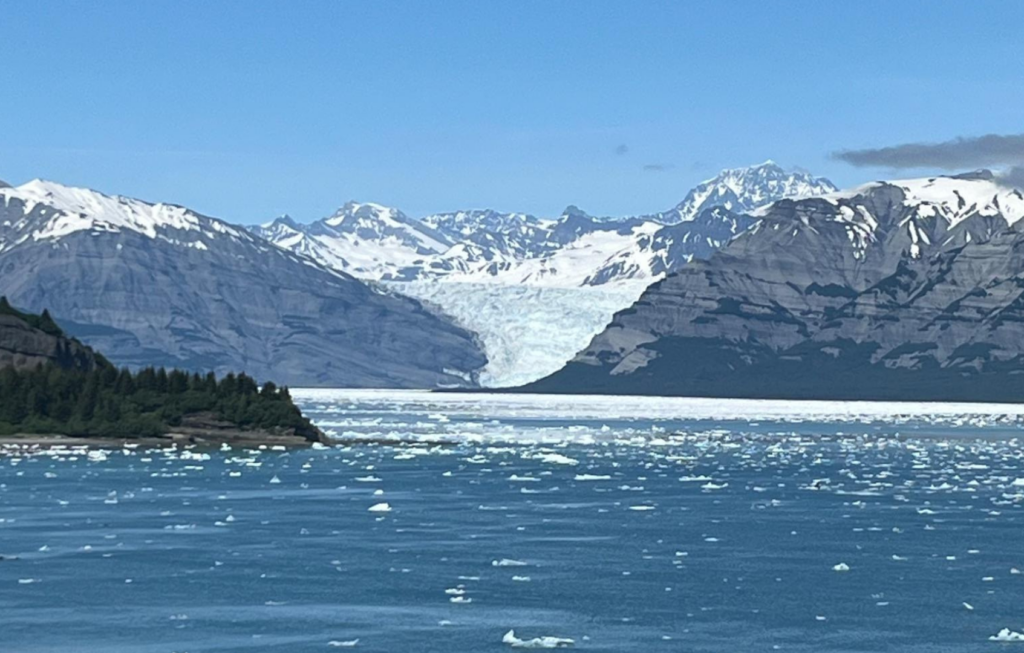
(527, 332)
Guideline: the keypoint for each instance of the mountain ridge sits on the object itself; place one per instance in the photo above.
(895, 290)
(159, 284)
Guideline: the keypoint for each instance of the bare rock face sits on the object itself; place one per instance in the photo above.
(904, 291)
(157, 284)
(23, 346)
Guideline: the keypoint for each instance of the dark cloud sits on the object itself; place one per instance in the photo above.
(957, 154)
(621, 149)
(1012, 177)
(658, 167)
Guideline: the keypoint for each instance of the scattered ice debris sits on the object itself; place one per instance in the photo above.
(537, 642)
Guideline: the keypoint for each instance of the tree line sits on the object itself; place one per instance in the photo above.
(107, 401)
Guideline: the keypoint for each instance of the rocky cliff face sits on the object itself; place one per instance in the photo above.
(902, 290)
(156, 284)
(23, 346)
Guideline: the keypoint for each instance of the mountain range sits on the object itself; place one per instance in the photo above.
(364, 297)
(906, 290)
(378, 243)
(535, 290)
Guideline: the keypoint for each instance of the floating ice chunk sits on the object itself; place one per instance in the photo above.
(379, 507)
(641, 508)
(347, 643)
(707, 487)
(368, 479)
(842, 566)
(27, 581)
(460, 599)
(537, 642)
(455, 591)
(508, 562)
(968, 606)
(515, 478)
(557, 459)
(521, 579)
(695, 479)
(593, 477)
(275, 479)
(1007, 635)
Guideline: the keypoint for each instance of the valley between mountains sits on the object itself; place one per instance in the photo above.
(760, 282)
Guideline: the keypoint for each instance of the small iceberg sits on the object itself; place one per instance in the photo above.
(1007, 635)
(842, 566)
(380, 507)
(537, 642)
(275, 479)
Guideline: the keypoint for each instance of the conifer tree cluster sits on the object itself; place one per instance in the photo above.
(107, 401)
(101, 400)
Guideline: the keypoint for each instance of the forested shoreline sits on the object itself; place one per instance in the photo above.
(87, 396)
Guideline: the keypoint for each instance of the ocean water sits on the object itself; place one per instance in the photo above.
(623, 524)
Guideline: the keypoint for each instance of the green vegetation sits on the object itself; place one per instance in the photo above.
(119, 403)
(90, 397)
(42, 322)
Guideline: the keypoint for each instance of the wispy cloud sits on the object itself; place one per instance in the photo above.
(658, 167)
(956, 154)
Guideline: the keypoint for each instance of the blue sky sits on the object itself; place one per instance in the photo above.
(246, 110)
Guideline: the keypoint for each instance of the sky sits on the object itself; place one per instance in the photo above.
(249, 110)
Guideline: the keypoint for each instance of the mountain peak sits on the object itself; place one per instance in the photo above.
(746, 189)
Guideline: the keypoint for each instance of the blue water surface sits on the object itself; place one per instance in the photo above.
(622, 524)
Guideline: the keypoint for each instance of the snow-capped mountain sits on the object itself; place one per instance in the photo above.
(576, 249)
(485, 251)
(902, 290)
(46, 211)
(742, 190)
(160, 284)
(511, 235)
(368, 241)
